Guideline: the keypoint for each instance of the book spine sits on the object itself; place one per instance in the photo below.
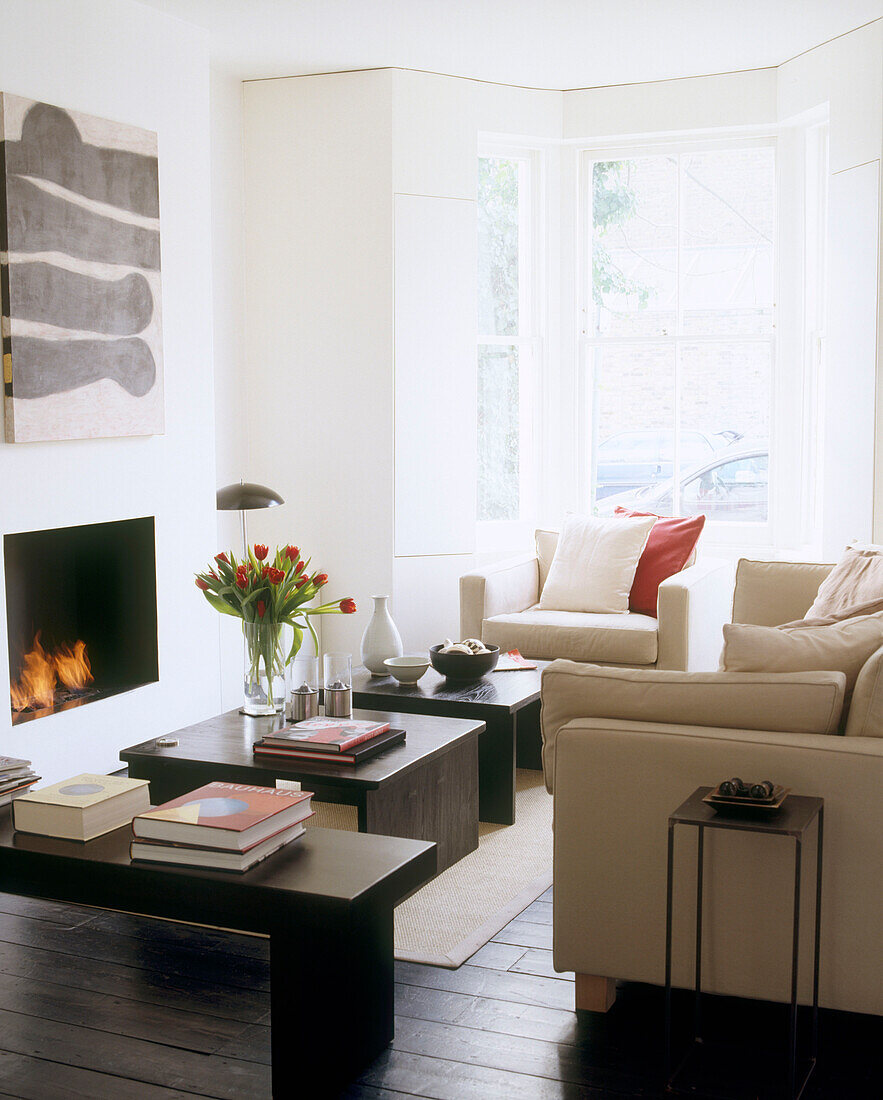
(331, 757)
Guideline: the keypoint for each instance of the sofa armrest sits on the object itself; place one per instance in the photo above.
(693, 607)
(793, 702)
(504, 587)
(615, 785)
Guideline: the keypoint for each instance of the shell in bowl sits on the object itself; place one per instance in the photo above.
(464, 666)
(407, 669)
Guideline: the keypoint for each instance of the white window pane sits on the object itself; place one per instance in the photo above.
(634, 246)
(498, 246)
(728, 226)
(632, 403)
(499, 434)
(725, 396)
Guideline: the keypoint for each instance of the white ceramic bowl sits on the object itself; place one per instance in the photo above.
(408, 669)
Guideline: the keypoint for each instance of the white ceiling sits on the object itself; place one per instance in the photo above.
(538, 43)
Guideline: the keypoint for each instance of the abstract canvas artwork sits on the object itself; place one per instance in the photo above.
(80, 275)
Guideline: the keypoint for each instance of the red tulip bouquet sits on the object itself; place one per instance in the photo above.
(269, 596)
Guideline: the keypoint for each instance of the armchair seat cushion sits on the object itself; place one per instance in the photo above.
(629, 639)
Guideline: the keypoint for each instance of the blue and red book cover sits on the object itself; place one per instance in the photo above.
(224, 815)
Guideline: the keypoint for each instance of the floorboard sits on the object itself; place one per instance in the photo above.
(102, 1005)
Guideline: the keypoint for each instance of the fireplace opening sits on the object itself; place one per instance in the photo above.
(81, 614)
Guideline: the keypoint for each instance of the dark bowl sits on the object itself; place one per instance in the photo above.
(464, 666)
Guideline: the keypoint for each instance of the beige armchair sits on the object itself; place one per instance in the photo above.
(623, 748)
(498, 605)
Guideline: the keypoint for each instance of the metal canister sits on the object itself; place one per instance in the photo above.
(338, 700)
(304, 703)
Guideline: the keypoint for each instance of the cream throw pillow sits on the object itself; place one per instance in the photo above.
(594, 564)
(838, 647)
(855, 580)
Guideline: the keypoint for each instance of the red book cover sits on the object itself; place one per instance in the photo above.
(233, 807)
(328, 735)
(512, 660)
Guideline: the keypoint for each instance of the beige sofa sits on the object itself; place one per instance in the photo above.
(623, 748)
(498, 605)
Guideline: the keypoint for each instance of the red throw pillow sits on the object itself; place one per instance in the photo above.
(668, 549)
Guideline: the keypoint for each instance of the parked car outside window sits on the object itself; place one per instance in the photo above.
(733, 487)
(632, 459)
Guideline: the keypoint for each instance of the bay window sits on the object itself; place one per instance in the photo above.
(678, 340)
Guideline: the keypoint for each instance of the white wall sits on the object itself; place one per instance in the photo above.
(319, 309)
(122, 61)
(846, 76)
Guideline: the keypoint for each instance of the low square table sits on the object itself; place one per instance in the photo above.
(423, 789)
(508, 703)
(326, 901)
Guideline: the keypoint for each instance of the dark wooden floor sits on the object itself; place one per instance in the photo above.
(101, 1005)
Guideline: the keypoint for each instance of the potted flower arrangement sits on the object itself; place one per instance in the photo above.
(270, 596)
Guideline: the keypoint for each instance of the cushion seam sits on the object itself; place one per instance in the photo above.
(744, 741)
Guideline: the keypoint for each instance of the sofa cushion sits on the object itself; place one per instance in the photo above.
(670, 545)
(594, 564)
(866, 709)
(838, 647)
(855, 580)
(628, 639)
(547, 544)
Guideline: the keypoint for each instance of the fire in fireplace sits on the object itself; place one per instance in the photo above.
(81, 614)
(54, 680)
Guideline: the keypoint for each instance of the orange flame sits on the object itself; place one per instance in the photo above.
(72, 666)
(36, 685)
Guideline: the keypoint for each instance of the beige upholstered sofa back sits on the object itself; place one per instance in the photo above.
(770, 593)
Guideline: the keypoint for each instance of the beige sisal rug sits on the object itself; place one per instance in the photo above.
(465, 906)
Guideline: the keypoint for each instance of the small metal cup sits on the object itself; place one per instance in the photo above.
(338, 701)
(304, 703)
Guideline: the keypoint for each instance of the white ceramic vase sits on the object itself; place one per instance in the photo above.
(381, 639)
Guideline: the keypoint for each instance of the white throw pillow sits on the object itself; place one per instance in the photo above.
(838, 647)
(594, 564)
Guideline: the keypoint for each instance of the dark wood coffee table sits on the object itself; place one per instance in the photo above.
(507, 702)
(326, 902)
(424, 789)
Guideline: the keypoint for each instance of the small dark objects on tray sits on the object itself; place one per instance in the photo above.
(735, 796)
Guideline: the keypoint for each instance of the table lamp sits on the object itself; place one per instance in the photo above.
(242, 497)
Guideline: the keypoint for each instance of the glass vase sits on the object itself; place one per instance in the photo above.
(266, 652)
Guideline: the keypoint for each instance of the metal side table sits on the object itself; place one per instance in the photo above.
(794, 819)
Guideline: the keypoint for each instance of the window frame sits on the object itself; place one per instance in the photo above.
(786, 417)
(494, 536)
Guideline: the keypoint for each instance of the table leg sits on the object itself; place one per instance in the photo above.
(331, 998)
(697, 1000)
(818, 933)
(795, 949)
(668, 933)
(528, 737)
(496, 771)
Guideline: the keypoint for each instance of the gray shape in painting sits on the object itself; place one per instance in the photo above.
(81, 283)
(41, 222)
(44, 367)
(56, 296)
(51, 149)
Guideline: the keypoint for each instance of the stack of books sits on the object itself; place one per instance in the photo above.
(81, 808)
(16, 778)
(221, 826)
(335, 740)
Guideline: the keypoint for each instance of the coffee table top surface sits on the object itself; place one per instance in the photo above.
(227, 740)
(330, 864)
(509, 690)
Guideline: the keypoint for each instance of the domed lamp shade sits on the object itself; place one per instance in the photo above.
(244, 496)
